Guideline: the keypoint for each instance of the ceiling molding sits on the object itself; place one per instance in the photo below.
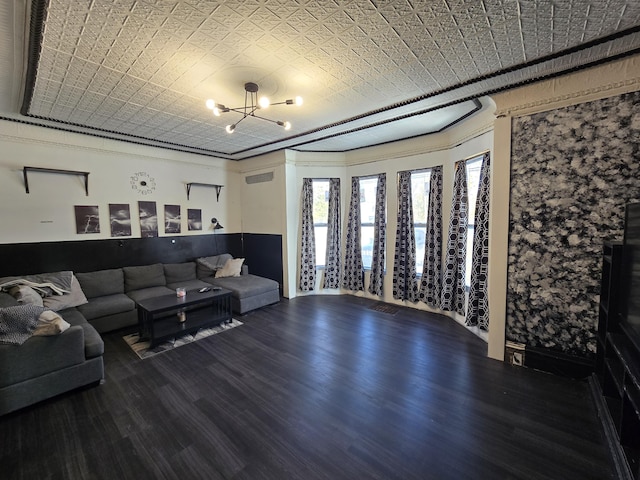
(601, 81)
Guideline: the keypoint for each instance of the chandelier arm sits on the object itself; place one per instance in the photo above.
(267, 119)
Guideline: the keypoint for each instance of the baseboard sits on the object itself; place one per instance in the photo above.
(558, 363)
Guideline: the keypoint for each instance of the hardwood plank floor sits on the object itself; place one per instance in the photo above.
(319, 387)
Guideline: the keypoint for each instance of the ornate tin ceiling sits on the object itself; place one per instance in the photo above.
(370, 72)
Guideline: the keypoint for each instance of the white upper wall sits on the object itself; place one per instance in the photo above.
(47, 212)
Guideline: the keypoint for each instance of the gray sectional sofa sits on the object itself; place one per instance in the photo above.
(43, 367)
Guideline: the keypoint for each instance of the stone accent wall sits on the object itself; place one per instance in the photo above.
(572, 171)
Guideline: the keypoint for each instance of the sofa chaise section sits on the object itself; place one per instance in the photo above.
(43, 367)
(248, 292)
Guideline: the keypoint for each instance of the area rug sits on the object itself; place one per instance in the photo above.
(141, 348)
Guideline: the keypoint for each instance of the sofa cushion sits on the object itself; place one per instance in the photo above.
(179, 272)
(107, 305)
(207, 266)
(102, 282)
(93, 344)
(245, 285)
(72, 299)
(150, 292)
(146, 276)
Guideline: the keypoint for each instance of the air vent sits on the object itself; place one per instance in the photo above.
(260, 178)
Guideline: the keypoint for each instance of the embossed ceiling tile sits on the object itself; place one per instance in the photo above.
(232, 16)
(216, 30)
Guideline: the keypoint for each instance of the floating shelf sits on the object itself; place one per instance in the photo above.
(217, 187)
(54, 170)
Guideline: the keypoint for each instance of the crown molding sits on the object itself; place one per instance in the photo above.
(27, 134)
(603, 81)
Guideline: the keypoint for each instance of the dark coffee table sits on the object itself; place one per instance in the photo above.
(159, 320)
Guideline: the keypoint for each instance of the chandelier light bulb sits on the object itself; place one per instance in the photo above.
(216, 111)
(230, 128)
(264, 102)
(298, 101)
(211, 104)
(287, 126)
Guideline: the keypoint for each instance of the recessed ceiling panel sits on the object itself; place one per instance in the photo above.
(142, 69)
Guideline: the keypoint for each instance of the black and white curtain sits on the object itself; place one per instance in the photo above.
(307, 240)
(353, 277)
(332, 259)
(376, 278)
(478, 307)
(431, 283)
(405, 286)
(453, 288)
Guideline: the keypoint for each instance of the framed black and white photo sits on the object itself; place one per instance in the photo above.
(148, 219)
(120, 219)
(172, 219)
(87, 219)
(194, 218)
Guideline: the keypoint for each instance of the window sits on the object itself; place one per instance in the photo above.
(368, 188)
(420, 186)
(473, 185)
(320, 218)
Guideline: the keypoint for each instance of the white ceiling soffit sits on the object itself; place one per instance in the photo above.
(369, 72)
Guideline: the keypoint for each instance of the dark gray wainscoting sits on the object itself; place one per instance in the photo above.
(90, 255)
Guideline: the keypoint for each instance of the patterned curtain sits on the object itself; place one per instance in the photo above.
(454, 269)
(307, 240)
(478, 307)
(405, 286)
(431, 284)
(376, 278)
(353, 270)
(332, 261)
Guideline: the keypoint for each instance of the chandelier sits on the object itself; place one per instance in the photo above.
(251, 105)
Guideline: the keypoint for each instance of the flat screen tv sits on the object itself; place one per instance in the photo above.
(630, 281)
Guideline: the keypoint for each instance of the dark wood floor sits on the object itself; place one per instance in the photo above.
(318, 387)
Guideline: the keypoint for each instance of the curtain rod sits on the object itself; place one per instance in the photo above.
(476, 155)
(426, 169)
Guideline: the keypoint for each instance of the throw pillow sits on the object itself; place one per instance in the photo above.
(232, 268)
(26, 295)
(73, 299)
(50, 323)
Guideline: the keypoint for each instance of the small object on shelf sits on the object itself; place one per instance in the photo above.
(182, 316)
(181, 292)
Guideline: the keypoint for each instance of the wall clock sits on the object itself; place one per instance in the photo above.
(143, 183)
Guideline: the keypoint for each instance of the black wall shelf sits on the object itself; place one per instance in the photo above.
(217, 187)
(54, 170)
